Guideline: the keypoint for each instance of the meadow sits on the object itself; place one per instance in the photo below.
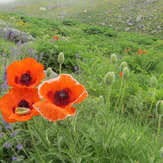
(120, 121)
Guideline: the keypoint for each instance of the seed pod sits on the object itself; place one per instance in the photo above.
(153, 82)
(109, 78)
(126, 73)
(113, 58)
(123, 65)
(159, 107)
(22, 110)
(61, 58)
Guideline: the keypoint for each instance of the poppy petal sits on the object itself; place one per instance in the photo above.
(32, 70)
(20, 118)
(81, 97)
(48, 88)
(52, 112)
(7, 119)
(15, 98)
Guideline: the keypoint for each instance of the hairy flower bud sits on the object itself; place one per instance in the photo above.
(48, 72)
(126, 73)
(123, 65)
(109, 78)
(153, 82)
(161, 152)
(159, 107)
(61, 58)
(101, 99)
(22, 110)
(113, 58)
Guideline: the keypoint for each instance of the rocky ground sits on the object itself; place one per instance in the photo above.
(136, 15)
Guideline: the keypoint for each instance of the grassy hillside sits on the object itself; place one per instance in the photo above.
(118, 122)
(136, 15)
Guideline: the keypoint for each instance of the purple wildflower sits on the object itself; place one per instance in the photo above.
(19, 147)
(8, 127)
(76, 68)
(4, 85)
(14, 133)
(7, 145)
(19, 43)
(1, 135)
(12, 35)
(8, 33)
(4, 55)
(14, 158)
(41, 56)
(77, 55)
(4, 122)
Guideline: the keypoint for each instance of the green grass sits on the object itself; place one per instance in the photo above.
(124, 132)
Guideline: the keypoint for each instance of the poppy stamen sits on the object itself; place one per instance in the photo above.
(26, 79)
(61, 98)
(24, 104)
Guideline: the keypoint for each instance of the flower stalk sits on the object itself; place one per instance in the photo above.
(109, 80)
(158, 127)
(60, 61)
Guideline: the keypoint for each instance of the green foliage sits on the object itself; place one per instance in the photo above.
(5, 46)
(110, 32)
(93, 30)
(69, 22)
(50, 53)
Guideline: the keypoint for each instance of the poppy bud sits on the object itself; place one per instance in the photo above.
(22, 111)
(126, 73)
(109, 78)
(153, 82)
(101, 99)
(60, 58)
(48, 72)
(113, 58)
(161, 152)
(122, 66)
(159, 107)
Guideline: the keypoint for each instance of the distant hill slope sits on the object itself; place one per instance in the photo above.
(127, 15)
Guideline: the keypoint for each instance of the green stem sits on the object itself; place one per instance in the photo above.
(43, 138)
(60, 68)
(150, 108)
(71, 139)
(119, 95)
(34, 144)
(122, 96)
(108, 92)
(158, 128)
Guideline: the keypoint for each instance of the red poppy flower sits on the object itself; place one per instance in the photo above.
(17, 104)
(126, 50)
(26, 73)
(140, 52)
(120, 74)
(60, 94)
(55, 38)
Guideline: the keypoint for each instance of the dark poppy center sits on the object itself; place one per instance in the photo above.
(61, 98)
(24, 104)
(26, 79)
